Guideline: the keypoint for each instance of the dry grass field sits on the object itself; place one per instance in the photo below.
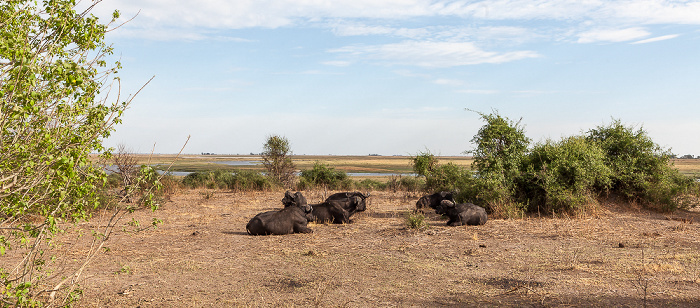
(201, 256)
(373, 164)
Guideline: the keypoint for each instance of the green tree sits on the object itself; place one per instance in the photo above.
(641, 169)
(322, 175)
(501, 145)
(424, 163)
(277, 160)
(52, 71)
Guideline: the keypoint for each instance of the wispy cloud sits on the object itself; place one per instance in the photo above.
(448, 82)
(357, 29)
(476, 91)
(433, 54)
(657, 39)
(612, 35)
(337, 63)
(510, 22)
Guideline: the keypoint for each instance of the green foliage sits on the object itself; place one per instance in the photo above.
(322, 175)
(51, 73)
(424, 163)
(563, 176)
(447, 177)
(369, 184)
(416, 221)
(560, 176)
(243, 180)
(501, 145)
(247, 180)
(208, 179)
(277, 160)
(640, 168)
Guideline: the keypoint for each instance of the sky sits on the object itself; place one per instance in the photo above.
(400, 77)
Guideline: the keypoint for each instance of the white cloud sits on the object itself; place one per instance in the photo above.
(448, 82)
(492, 21)
(346, 29)
(657, 39)
(433, 54)
(476, 91)
(222, 14)
(612, 35)
(656, 11)
(337, 63)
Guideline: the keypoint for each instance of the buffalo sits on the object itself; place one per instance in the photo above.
(291, 219)
(350, 201)
(330, 212)
(462, 213)
(337, 208)
(433, 201)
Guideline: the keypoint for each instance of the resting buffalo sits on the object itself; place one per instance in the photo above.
(291, 219)
(433, 201)
(350, 201)
(462, 213)
(337, 208)
(330, 212)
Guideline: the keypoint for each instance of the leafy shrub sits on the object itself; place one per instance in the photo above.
(238, 180)
(277, 160)
(415, 221)
(208, 179)
(321, 175)
(447, 177)
(411, 183)
(424, 163)
(369, 184)
(640, 169)
(250, 180)
(148, 186)
(563, 176)
(501, 145)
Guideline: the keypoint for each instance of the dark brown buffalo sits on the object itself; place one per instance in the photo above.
(433, 201)
(337, 208)
(350, 201)
(291, 219)
(462, 213)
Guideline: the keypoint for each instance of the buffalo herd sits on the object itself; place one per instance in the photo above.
(339, 207)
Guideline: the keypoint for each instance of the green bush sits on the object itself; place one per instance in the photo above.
(447, 177)
(416, 221)
(411, 183)
(501, 145)
(424, 163)
(250, 180)
(208, 179)
(369, 184)
(641, 169)
(321, 175)
(237, 180)
(563, 176)
(560, 176)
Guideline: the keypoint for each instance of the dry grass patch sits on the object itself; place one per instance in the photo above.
(202, 256)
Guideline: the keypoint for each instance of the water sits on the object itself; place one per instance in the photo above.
(238, 162)
(184, 173)
(175, 173)
(378, 174)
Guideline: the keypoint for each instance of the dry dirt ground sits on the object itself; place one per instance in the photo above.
(201, 256)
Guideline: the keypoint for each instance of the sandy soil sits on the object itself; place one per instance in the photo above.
(201, 256)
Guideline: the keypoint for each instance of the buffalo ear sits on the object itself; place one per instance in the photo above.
(299, 198)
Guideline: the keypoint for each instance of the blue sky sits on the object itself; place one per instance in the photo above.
(395, 76)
